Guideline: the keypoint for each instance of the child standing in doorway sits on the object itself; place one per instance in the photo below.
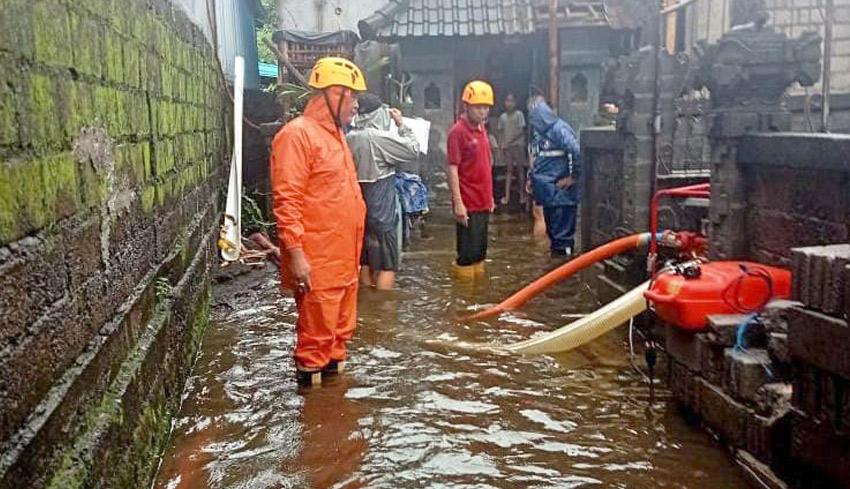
(511, 130)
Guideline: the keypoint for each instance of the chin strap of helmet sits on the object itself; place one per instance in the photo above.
(337, 116)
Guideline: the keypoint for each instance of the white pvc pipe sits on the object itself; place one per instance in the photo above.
(232, 228)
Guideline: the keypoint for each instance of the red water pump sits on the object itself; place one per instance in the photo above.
(685, 295)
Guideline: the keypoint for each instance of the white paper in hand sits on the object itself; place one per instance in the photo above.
(421, 131)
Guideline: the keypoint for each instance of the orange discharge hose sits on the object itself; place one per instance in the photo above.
(564, 271)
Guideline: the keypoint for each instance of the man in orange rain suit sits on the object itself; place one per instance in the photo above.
(320, 217)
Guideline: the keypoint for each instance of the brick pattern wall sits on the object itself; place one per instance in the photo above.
(112, 146)
(794, 17)
(788, 190)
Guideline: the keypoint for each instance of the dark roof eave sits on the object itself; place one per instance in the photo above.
(370, 26)
(395, 38)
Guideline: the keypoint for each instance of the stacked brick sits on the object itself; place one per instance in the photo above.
(112, 145)
(819, 342)
(730, 377)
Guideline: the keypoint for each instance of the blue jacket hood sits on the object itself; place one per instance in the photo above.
(541, 117)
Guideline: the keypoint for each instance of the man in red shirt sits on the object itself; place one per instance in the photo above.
(471, 178)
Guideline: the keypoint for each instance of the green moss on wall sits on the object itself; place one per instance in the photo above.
(60, 187)
(44, 125)
(36, 192)
(8, 123)
(114, 62)
(73, 469)
(148, 199)
(87, 47)
(51, 31)
(198, 328)
(81, 107)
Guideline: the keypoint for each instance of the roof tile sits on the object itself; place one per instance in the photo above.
(475, 17)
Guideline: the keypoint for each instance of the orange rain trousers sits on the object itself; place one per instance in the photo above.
(326, 322)
(319, 208)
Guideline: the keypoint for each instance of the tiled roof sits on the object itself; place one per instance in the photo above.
(431, 18)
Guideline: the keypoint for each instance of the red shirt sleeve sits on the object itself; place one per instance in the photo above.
(453, 144)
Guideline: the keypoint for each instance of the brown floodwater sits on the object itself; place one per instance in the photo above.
(419, 410)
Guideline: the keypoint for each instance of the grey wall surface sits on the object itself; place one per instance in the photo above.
(237, 36)
(320, 15)
(112, 151)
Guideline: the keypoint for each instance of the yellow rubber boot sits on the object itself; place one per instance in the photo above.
(463, 272)
(480, 271)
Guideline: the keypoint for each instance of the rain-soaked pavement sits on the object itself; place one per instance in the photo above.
(416, 410)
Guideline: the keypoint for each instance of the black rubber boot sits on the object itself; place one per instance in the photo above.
(334, 367)
(308, 378)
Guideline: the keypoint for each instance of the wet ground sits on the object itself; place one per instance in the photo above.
(419, 411)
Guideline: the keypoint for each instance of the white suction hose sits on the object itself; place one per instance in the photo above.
(587, 328)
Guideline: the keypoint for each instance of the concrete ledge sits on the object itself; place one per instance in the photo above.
(601, 138)
(796, 150)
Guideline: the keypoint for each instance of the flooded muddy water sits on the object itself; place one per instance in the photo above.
(420, 410)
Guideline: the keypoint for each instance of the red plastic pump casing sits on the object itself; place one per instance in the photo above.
(719, 287)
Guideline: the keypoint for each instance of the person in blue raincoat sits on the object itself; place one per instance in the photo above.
(554, 174)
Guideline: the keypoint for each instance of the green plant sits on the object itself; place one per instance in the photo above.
(163, 288)
(253, 218)
(266, 25)
(294, 96)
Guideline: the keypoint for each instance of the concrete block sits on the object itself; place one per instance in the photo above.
(683, 384)
(821, 449)
(806, 396)
(683, 347)
(712, 358)
(820, 277)
(777, 348)
(722, 413)
(775, 315)
(757, 473)
(820, 340)
(768, 437)
(835, 395)
(747, 371)
(725, 328)
(774, 398)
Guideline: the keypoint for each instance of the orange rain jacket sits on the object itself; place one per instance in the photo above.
(317, 200)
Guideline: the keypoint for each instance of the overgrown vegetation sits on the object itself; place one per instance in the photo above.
(163, 288)
(266, 25)
(253, 217)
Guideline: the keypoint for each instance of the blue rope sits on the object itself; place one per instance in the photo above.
(741, 331)
(739, 339)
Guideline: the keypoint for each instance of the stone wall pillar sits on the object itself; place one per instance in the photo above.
(636, 85)
(747, 72)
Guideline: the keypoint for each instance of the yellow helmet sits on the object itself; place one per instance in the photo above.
(333, 71)
(478, 92)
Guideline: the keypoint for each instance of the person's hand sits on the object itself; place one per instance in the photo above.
(461, 216)
(396, 116)
(566, 182)
(528, 186)
(300, 268)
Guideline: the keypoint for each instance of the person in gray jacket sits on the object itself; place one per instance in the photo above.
(377, 152)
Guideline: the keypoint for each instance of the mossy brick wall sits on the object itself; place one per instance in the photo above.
(113, 145)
